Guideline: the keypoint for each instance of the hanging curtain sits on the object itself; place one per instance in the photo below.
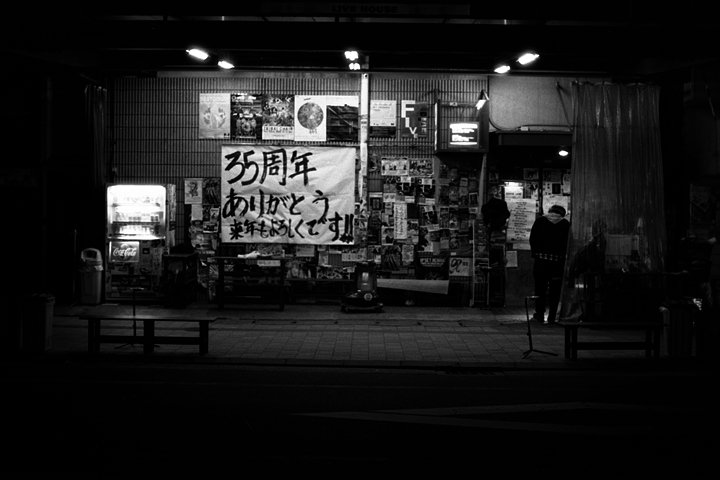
(92, 232)
(95, 101)
(617, 222)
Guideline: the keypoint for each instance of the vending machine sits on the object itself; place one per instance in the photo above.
(140, 229)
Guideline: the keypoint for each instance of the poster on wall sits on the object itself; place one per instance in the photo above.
(214, 110)
(310, 118)
(193, 190)
(246, 116)
(287, 194)
(383, 118)
(343, 118)
(278, 117)
(211, 191)
(415, 120)
(522, 217)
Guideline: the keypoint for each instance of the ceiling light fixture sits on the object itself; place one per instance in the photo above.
(504, 68)
(563, 153)
(225, 64)
(197, 53)
(354, 66)
(352, 55)
(482, 98)
(527, 58)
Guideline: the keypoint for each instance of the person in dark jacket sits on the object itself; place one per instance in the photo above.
(548, 245)
(495, 212)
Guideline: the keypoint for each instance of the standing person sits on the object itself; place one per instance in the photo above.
(548, 245)
(495, 212)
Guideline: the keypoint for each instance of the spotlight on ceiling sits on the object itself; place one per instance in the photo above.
(482, 98)
(197, 53)
(563, 152)
(502, 68)
(225, 64)
(351, 55)
(527, 58)
(354, 66)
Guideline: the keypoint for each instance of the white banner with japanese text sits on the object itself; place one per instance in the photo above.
(295, 194)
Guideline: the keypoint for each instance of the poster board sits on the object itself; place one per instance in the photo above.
(292, 194)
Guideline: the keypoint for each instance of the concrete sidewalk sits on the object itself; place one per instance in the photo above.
(427, 337)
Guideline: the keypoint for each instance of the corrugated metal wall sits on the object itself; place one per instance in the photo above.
(153, 122)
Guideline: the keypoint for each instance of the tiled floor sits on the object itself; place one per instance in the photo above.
(303, 333)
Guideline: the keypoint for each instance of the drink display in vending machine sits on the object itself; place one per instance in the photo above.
(137, 236)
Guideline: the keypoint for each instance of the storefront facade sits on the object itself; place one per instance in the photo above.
(413, 206)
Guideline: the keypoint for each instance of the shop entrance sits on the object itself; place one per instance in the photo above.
(528, 171)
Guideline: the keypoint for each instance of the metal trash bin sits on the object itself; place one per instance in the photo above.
(91, 276)
(680, 316)
(37, 319)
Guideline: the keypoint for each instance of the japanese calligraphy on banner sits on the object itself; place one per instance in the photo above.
(293, 194)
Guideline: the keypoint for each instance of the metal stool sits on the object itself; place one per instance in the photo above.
(529, 331)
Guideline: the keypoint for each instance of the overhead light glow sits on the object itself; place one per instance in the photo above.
(226, 65)
(354, 66)
(197, 53)
(352, 55)
(563, 152)
(527, 58)
(502, 69)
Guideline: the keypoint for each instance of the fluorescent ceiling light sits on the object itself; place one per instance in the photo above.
(225, 64)
(563, 152)
(354, 66)
(502, 69)
(351, 55)
(527, 58)
(197, 53)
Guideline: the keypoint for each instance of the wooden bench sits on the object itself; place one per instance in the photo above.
(148, 339)
(651, 345)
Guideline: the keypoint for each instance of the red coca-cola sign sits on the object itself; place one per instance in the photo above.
(124, 251)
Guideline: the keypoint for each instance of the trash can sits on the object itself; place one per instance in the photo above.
(680, 316)
(37, 318)
(91, 276)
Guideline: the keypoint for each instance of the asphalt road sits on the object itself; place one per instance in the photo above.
(110, 419)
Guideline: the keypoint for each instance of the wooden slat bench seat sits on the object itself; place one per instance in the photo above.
(651, 344)
(148, 339)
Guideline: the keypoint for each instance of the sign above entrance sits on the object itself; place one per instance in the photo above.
(464, 135)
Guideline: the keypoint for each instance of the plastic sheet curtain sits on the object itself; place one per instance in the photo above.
(95, 104)
(617, 221)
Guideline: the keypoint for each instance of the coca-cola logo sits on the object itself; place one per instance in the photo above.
(125, 251)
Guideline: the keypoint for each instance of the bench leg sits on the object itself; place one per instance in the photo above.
(656, 342)
(148, 336)
(93, 336)
(204, 337)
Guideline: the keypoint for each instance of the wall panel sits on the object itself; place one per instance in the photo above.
(153, 122)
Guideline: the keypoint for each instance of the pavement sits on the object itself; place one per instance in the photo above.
(462, 338)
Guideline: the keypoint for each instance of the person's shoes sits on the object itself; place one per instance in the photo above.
(538, 317)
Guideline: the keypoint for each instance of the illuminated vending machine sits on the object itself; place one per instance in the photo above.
(139, 231)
